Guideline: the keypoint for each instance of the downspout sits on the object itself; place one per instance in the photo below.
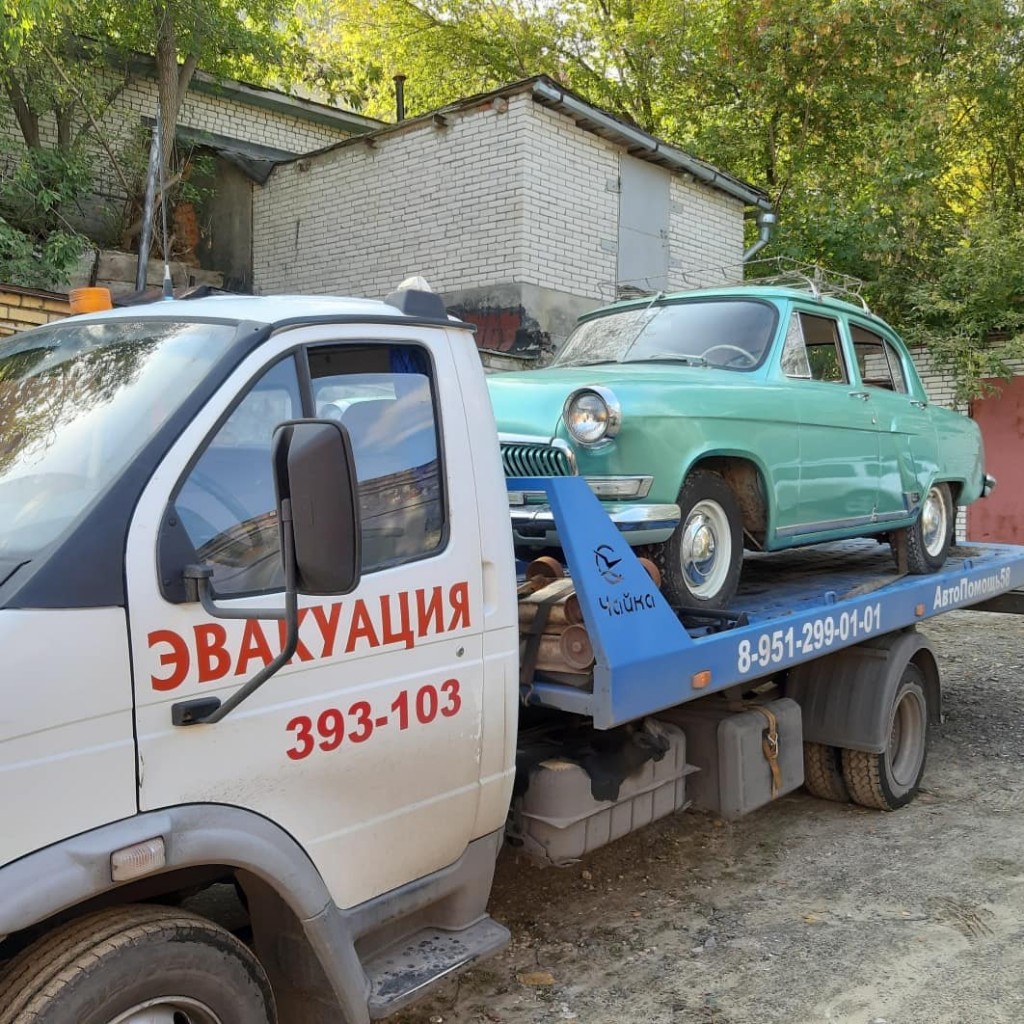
(765, 222)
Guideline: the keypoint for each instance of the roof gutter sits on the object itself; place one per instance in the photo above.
(675, 158)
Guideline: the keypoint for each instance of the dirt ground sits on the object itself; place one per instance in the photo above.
(803, 912)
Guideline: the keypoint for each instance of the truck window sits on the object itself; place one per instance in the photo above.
(227, 503)
(77, 402)
(384, 395)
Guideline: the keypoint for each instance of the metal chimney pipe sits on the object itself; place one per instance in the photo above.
(399, 97)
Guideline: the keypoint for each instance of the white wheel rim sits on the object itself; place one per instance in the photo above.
(705, 551)
(168, 1010)
(934, 524)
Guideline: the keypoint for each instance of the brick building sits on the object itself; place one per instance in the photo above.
(245, 128)
(524, 207)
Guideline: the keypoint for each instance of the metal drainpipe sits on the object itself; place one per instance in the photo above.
(765, 221)
(399, 81)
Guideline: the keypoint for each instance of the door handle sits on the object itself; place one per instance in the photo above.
(920, 405)
(862, 395)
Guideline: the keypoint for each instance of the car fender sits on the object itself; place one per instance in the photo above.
(752, 506)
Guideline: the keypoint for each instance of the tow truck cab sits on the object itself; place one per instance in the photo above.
(139, 443)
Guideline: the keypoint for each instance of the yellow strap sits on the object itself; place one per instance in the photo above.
(770, 746)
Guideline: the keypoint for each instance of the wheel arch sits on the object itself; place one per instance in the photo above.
(845, 697)
(748, 479)
(201, 842)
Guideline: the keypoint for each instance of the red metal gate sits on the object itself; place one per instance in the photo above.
(1000, 516)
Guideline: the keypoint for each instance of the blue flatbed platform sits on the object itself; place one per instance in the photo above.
(792, 607)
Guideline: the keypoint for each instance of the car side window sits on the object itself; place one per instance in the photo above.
(227, 504)
(812, 350)
(878, 361)
(384, 396)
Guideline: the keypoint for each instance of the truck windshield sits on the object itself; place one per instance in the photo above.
(732, 334)
(77, 401)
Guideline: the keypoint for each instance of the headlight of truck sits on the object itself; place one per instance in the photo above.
(592, 415)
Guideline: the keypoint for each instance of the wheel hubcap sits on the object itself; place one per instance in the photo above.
(906, 738)
(934, 525)
(705, 552)
(168, 1010)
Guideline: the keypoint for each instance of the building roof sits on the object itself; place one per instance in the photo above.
(548, 93)
(268, 99)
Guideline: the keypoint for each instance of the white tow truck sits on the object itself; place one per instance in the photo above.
(262, 623)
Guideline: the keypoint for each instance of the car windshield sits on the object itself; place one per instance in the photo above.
(77, 401)
(733, 334)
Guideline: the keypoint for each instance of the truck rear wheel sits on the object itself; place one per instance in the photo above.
(892, 778)
(136, 965)
(823, 773)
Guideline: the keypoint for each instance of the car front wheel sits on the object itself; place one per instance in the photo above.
(700, 563)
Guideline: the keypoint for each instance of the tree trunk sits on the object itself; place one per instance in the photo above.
(64, 115)
(172, 80)
(28, 120)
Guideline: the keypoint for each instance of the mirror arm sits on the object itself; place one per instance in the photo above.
(210, 710)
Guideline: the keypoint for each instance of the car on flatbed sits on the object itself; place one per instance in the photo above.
(758, 417)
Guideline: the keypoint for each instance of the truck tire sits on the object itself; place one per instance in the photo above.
(700, 563)
(823, 773)
(930, 538)
(891, 779)
(136, 965)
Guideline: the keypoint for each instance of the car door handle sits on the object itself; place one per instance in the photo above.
(920, 405)
(862, 395)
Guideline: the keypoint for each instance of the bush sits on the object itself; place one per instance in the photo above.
(38, 246)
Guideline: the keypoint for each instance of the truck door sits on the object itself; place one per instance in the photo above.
(367, 746)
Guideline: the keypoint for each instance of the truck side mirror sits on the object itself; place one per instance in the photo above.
(318, 518)
(314, 470)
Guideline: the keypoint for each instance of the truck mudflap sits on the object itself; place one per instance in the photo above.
(795, 606)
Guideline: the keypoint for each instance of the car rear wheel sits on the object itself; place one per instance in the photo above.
(928, 541)
(700, 563)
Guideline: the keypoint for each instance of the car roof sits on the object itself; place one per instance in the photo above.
(745, 291)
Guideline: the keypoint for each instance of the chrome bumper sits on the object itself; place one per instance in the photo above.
(988, 485)
(534, 525)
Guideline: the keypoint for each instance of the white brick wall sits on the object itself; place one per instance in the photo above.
(523, 196)
(570, 214)
(706, 233)
(443, 202)
(219, 114)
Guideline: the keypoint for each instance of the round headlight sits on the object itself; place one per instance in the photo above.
(591, 415)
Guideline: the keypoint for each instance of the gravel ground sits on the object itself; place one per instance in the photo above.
(804, 911)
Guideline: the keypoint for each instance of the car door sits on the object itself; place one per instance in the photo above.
(371, 735)
(837, 431)
(906, 435)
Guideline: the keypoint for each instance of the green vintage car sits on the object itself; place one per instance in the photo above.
(757, 417)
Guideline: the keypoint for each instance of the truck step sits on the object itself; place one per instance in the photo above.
(400, 975)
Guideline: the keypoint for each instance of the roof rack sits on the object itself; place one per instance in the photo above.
(789, 273)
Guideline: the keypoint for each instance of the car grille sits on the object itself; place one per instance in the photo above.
(521, 459)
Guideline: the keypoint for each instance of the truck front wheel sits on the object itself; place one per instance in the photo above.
(891, 779)
(136, 965)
